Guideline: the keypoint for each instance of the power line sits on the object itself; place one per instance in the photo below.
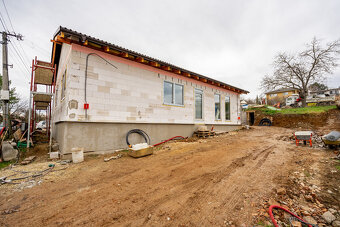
(3, 22)
(14, 48)
(34, 46)
(22, 61)
(8, 15)
(10, 21)
(17, 62)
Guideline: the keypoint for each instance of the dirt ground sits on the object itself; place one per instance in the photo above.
(221, 181)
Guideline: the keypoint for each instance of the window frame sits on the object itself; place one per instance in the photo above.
(173, 98)
(225, 111)
(202, 93)
(219, 100)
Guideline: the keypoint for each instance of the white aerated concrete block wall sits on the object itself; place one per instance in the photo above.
(131, 93)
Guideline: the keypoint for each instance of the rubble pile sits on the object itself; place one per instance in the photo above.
(302, 198)
(316, 139)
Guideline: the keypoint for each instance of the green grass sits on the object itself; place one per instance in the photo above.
(304, 110)
(337, 167)
(4, 164)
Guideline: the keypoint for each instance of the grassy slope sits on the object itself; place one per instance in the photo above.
(312, 109)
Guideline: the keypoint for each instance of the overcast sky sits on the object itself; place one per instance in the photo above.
(231, 41)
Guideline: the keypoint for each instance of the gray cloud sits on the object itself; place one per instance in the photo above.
(232, 41)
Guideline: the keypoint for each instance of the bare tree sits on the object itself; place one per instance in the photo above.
(302, 69)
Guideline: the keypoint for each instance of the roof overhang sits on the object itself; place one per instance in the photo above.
(65, 35)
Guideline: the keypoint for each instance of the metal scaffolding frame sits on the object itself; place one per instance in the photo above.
(43, 73)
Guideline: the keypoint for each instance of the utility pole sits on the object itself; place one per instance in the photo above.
(4, 95)
(5, 82)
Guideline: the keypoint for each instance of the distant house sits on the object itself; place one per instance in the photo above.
(103, 91)
(328, 92)
(280, 94)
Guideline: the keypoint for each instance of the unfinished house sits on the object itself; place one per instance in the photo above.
(103, 91)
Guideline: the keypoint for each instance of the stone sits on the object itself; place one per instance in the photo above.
(332, 211)
(281, 191)
(296, 224)
(310, 220)
(336, 223)
(8, 152)
(55, 147)
(328, 217)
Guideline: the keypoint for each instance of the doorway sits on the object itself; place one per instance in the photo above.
(251, 118)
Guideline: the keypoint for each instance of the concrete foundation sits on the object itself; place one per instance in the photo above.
(107, 137)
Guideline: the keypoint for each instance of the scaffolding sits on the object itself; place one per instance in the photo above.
(43, 74)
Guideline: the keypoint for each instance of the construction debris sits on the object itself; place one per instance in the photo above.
(332, 136)
(204, 134)
(28, 160)
(113, 157)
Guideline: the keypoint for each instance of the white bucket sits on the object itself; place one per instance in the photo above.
(77, 154)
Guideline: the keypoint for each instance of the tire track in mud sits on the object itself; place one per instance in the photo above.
(237, 195)
(203, 185)
(200, 197)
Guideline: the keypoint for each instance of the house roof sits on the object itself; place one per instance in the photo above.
(65, 35)
(280, 90)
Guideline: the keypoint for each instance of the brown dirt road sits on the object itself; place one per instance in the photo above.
(201, 183)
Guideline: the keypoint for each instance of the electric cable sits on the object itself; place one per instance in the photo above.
(140, 132)
(86, 66)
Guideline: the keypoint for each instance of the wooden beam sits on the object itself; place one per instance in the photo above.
(203, 80)
(62, 34)
(115, 52)
(124, 55)
(167, 68)
(154, 64)
(95, 45)
(177, 71)
(62, 40)
(106, 48)
(86, 43)
(140, 59)
(196, 77)
(186, 74)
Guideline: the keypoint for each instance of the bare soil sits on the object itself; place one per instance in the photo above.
(327, 120)
(218, 181)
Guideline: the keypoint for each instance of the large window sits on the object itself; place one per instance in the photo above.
(63, 85)
(217, 99)
(227, 108)
(198, 104)
(173, 94)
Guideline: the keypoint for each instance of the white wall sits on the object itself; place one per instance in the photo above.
(130, 93)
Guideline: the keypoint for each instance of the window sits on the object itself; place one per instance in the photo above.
(273, 95)
(63, 85)
(227, 108)
(173, 93)
(198, 104)
(286, 93)
(217, 107)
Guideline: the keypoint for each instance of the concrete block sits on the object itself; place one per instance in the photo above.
(54, 155)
